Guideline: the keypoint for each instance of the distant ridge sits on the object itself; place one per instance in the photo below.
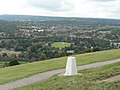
(51, 18)
(30, 18)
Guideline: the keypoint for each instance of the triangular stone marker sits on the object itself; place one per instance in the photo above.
(71, 68)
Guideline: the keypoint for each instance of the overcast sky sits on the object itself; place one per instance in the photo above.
(67, 8)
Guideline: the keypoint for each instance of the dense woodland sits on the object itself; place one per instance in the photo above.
(33, 38)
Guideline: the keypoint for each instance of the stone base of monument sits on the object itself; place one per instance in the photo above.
(71, 68)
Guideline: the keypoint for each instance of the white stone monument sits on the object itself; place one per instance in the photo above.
(71, 68)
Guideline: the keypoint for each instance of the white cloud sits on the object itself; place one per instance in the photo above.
(93, 8)
(118, 5)
(102, 0)
(51, 5)
(115, 12)
(11, 6)
(71, 8)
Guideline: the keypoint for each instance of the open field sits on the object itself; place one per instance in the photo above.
(60, 44)
(9, 52)
(17, 72)
(105, 31)
(89, 79)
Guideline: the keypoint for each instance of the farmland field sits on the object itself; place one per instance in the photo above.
(61, 44)
(9, 52)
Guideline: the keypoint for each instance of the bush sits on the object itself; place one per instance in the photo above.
(13, 62)
(62, 54)
(43, 57)
(88, 50)
(96, 49)
(6, 64)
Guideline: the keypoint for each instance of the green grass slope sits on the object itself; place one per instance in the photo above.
(17, 72)
(88, 80)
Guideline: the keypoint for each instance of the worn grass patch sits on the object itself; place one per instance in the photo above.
(17, 72)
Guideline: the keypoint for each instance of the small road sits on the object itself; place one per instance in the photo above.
(45, 75)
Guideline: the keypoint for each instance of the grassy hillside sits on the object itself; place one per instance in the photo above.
(90, 79)
(17, 72)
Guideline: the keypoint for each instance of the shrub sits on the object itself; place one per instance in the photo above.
(13, 62)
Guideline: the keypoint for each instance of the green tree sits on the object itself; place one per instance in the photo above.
(4, 55)
(96, 49)
(29, 50)
(87, 50)
(43, 57)
(62, 53)
(13, 62)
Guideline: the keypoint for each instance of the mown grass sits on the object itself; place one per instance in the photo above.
(60, 44)
(17, 72)
(88, 80)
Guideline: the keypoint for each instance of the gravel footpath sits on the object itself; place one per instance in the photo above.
(45, 75)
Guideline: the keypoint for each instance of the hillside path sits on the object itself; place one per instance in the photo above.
(45, 75)
(113, 79)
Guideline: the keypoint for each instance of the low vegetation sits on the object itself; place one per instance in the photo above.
(89, 79)
(17, 72)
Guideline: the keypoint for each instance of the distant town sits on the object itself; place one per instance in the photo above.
(32, 40)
